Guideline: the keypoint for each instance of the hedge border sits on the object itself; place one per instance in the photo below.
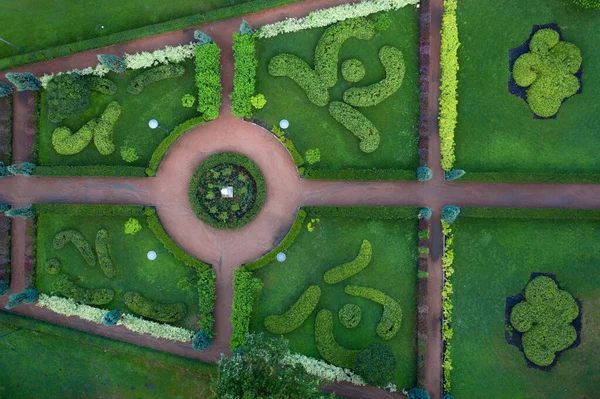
(508, 177)
(5, 244)
(6, 111)
(530, 213)
(88, 210)
(90, 170)
(361, 174)
(364, 212)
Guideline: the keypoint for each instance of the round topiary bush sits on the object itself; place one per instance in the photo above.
(201, 341)
(53, 266)
(227, 190)
(353, 70)
(350, 315)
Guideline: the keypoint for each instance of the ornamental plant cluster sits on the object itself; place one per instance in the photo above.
(208, 79)
(244, 79)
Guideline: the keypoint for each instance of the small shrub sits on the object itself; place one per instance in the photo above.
(382, 21)
(24, 213)
(67, 96)
(424, 173)
(132, 226)
(423, 251)
(201, 341)
(258, 101)
(202, 38)
(129, 154)
(425, 213)
(208, 80)
(5, 90)
(312, 156)
(244, 78)
(350, 315)
(53, 266)
(27, 297)
(422, 274)
(418, 393)
(111, 318)
(245, 291)
(297, 314)
(376, 364)
(353, 70)
(103, 253)
(454, 174)
(450, 213)
(24, 81)
(65, 286)
(424, 234)
(327, 346)
(188, 101)
(21, 169)
(167, 313)
(347, 270)
(153, 75)
(112, 62)
(357, 123)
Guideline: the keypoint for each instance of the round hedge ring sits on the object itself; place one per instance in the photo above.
(227, 190)
(350, 315)
(353, 70)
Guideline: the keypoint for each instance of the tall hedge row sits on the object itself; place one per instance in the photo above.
(208, 80)
(244, 79)
(246, 290)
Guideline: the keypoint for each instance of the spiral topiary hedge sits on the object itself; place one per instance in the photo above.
(357, 123)
(153, 75)
(84, 247)
(347, 270)
(297, 314)
(65, 286)
(167, 313)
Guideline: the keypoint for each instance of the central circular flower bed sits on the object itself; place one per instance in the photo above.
(227, 190)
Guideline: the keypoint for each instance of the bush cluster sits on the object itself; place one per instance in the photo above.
(391, 320)
(357, 123)
(327, 346)
(297, 314)
(153, 75)
(208, 80)
(206, 301)
(103, 253)
(246, 290)
(82, 245)
(101, 85)
(244, 78)
(29, 296)
(201, 341)
(67, 95)
(360, 174)
(350, 315)
(353, 70)
(65, 286)
(90, 170)
(393, 62)
(167, 313)
(376, 364)
(347, 270)
(53, 266)
(296, 69)
(312, 156)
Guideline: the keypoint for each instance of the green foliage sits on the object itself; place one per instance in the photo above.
(132, 226)
(24, 81)
(296, 69)
(447, 291)
(297, 314)
(153, 75)
(588, 3)
(350, 315)
(418, 393)
(422, 274)
(21, 169)
(202, 38)
(393, 62)
(206, 301)
(450, 213)
(548, 72)
(84, 248)
(363, 212)
(424, 173)
(90, 170)
(208, 80)
(545, 318)
(103, 253)
(27, 297)
(129, 154)
(65, 286)
(382, 21)
(188, 101)
(111, 318)
(312, 156)
(245, 28)
(258, 101)
(327, 346)
(67, 95)
(289, 145)
(424, 234)
(391, 320)
(376, 364)
(5, 90)
(4, 288)
(353, 70)
(423, 250)
(24, 213)
(53, 266)
(112, 62)
(360, 174)
(166, 313)
(93, 210)
(347, 270)
(246, 290)
(201, 341)
(104, 128)
(313, 224)
(357, 123)
(449, 83)
(244, 78)
(454, 174)
(102, 86)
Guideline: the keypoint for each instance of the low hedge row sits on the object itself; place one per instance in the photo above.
(244, 78)
(91, 170)
(164, 312)
(103, 253)
(88, 210)
(347, 270)
(360, 174)
(153, 75)
(327, 346)
(525, 213)
(246, 290)
(283, 245)
(296, 69)
(508, 177)
(208, 80)
(82, 245)
(206, 301)
(289, 145)
(357, 123)
(65, 286)
(297, 314)
(391, 320)
(103, 131)
(363, 212)
(164, 145)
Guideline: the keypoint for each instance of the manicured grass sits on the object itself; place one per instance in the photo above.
(72, 21)
(157, 280)
(160, 101)
(312, 127)
(496, 130)
(46, 361)
(392, 270)
(493, 260)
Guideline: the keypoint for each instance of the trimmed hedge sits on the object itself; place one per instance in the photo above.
(65, 286)
(246, 290)
(29, 296)
(327, 346)
(206, 301)
(52, 266)
(376, 364)
(357, 123)
(208, 80)
(509, 177)
(363, 212)
(347, 270)
(94, 210)
(164, 312)
(391, 319)
(164, 145)
(103, 131)
(353, 70)
(153, 75)
(244, 78)
(82, 245)
(393, 62)
(296, 69)
(283, 245)
(350, 315)
(103, 253)
(91, 170)
(296, 315)
(533, 213)
(102, 85)
(450, 213)
(289, 145)
(67, 95)
(360, 174)
(201, 341)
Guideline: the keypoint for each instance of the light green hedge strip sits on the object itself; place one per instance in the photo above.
(296, 315)
(324, 17)
(92, 170)
(447, 290)
(449, 83)
(349, 269)
(246, 290)
(525, 213)
(68, 307)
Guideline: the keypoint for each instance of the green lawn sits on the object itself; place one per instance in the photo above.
(496, 131)
(157, 280)
(46, 361)
(36, 26)
(312, 127)
(160, 101)
(493, 260)
(393, 270)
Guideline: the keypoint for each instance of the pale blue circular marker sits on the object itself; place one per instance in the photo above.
(281, 257)
(153, 123)
(284, 124)
(151, 255)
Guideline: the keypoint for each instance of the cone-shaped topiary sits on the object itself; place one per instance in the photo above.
(201, 341)
(376, 364)
(450, 213)
(111, 318)
(5, 90)
(424, 173)
(245, 28)
(202, 38)
(24, 81)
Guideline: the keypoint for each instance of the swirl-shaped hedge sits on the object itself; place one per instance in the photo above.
(153, 75)
(65, 286)
(347, 270)
(357, 123)
(391, 319)
(82, 245)
(297, 314)
(296, 69)
(103, 253)
(167, 313)
(328, 347)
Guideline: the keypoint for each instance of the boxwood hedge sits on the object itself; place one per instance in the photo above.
(153, 75)
(166, 313)
(84, 247)
(297, 314)
(327, 346)
(347, 270)
(357, 123)
(65, 286)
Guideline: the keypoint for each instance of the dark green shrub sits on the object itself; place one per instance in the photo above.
(104, 129)
(246, 290)
(4, 288)
(357, 123)
(347, 270)
(376, 364)
(206, 301)
(202, 38)
(450, 213)
(103, 253)
(208, 80)
(24, 213)
(90, 170)
(418, 393)
(153, 75)
(53, 266)
(4, 207)
(353, 70)
(454, 174)
(166, 313)
(94, 210)
(296, 315)
(68, 95)
(350, 315)
(29, 296)
(588, 3)
(84, 248)
(296, 69)
(102, 85)
(382, 21)
(65, 286)
(244, 79)
(545, 318)
(328, 348)
(201, 341)
(112, 62)
(5, 90)
(21, 169)
(391, 320)
(111, 318)
(424, 173)
(24, 81)
(393, 62)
